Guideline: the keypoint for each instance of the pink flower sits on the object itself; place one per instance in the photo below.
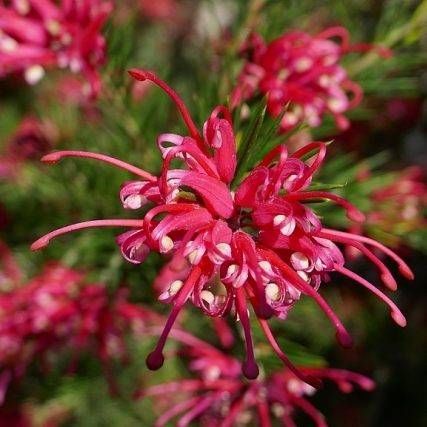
(29, 141)
(396, 206)
(219, 396)
(35, 34)
(260, 245)
(57, 310)
(304, 71)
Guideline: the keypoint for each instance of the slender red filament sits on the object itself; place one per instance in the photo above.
(44, 241)
(58, 155)
(142, 75)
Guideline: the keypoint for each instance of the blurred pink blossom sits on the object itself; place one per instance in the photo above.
(35, 34)
(220, 396)
(304, 71)
(57, 311)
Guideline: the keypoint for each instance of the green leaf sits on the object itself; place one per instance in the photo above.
(249, 138)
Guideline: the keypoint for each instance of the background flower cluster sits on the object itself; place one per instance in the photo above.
(272, 161)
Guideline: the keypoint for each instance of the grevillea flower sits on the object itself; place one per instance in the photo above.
(397, 202)
(29, 141)
(35, 34)
(260, 245)
(304, 71)
(57, 310)
(219, 396)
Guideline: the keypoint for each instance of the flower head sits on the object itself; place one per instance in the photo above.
(219, 396)
(397, 203)
(304, 71)
(37, 34)
(259, 246)
(57, 309)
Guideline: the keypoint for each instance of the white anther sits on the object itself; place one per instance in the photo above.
(207, 296)
(53, 27)
(192, 256)
(212, 373)
(175, 287)
(266, 266)
(75, 65)
(8, 44)
(336, 105)
(166, 244)
(225, 252)
(234, 268)
(272, 291)
(303, 275)
(34, 74)
(288, 229)
(135, 201)
(303, 64)
(318, 265)
(300, 261)
(278, 219)
(324, 80)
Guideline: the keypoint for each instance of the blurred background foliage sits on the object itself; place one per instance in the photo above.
(195, 49)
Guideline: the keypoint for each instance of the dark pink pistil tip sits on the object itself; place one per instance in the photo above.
(389, 281)
(355, 215)
(39, 244)
(51, 158)
(250, 370)
(406, 272)
(399, 318)
(264, 311)
(155, 360)
(344, 338)
(317, 383)
(137, 74)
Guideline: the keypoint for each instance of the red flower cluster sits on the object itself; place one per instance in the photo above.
(396, 206)
(221, 397)
(260, 244)
(304, 71)
(35, 34)
(57, 310)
